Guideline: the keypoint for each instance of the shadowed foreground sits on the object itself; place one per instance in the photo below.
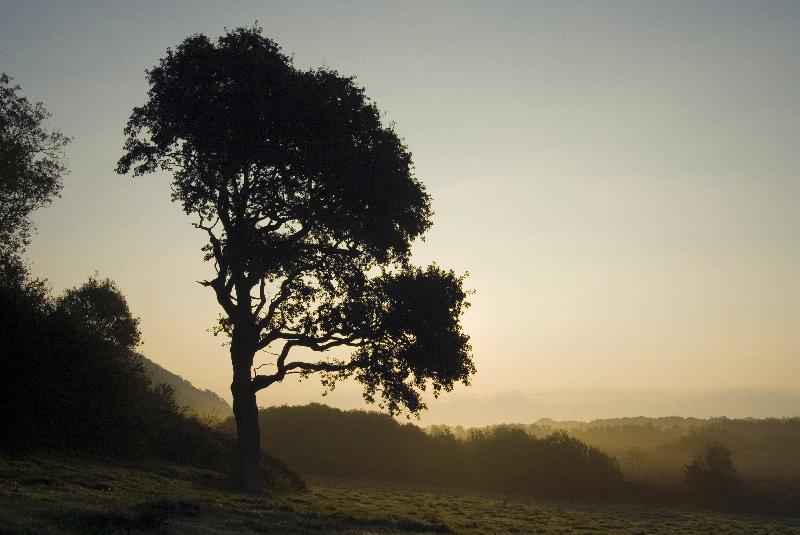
(58, 494)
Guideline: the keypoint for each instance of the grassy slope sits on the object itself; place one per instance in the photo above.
(59, 494)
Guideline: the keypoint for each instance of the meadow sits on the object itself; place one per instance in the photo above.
(53, 494)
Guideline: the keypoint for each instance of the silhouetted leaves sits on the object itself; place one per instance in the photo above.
(102, 308)
(712, 475)
(31, 163)
(71, 380)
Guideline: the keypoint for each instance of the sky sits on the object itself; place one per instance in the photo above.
(621, 180)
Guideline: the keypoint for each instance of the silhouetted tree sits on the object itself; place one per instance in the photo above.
(712, 475)
(310, 205)
(65, 384)
(102, 307)
(31, 163)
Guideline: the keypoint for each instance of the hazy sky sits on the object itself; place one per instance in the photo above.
(621, 180)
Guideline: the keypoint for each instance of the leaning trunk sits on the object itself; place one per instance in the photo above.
(245, 410)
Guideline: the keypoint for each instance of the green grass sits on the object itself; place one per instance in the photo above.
(60, 494)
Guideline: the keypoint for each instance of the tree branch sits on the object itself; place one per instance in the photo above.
(263, 381)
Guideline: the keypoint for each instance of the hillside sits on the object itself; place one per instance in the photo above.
(201, 402)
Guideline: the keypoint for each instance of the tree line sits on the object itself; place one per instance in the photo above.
(319, 440)
(773, 435)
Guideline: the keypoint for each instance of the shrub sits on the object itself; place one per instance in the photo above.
(712, 476)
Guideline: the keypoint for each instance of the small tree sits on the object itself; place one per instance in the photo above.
(310, 205)
(31, 164)
(712, 475)
(98, 309)
(103, 309)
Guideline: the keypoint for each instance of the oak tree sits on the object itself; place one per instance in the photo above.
(310, 205)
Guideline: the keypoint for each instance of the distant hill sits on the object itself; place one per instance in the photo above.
(201, 402)
(762, 448)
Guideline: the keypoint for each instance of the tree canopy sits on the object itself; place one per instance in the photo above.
(103, 309)
(310, 205)
(31, 163)
(712, 473)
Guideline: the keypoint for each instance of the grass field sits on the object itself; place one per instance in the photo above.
(59, 494)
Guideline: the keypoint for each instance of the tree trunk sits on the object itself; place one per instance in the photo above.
(245, 410)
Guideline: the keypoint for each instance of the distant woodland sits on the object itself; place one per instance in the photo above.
(742, 464)
(658, 448)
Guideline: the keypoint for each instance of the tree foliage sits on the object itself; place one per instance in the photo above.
(68, 382)
(64, 385)
(103, 309)
(712, 473)
(31, 163)
(310, 205)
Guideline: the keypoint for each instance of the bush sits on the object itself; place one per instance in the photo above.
(712, 476)
(66, 385)
(71, 380)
